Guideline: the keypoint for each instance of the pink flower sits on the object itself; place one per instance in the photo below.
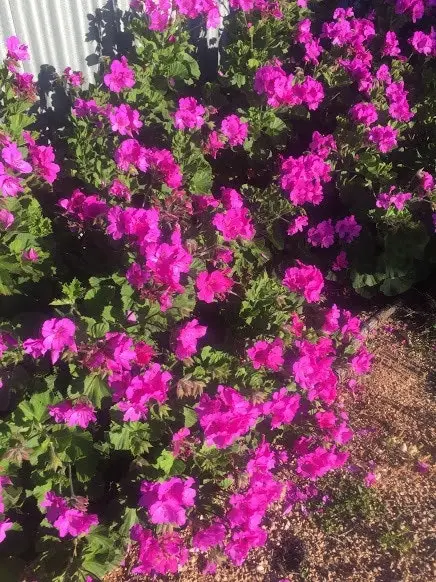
(30, 255)
(163, 555)
(414, 7)
(361, 363)
(14, 158)
(268, 354)
(305, 279)
(331, 321)
(187, 339)
(144, 353)
(370, 479)
(34, 347)
(427, 182)
(213, 144)
(234, 129)
(340, 262)
(391, 47)
(189, 114)
(342, 433)
(167, 501)
(283, 407)
(43, 162)
(125, 120)
(212, 285)
(9, 185)
(6, 218)
(348, 229)
(242, 542)
(231, 198)
(302, 178)
(5, 526)
(74, 78)
(384, 137)
(423, 43)
(297, 325)
(365, 113)
(226, 417)
(326, 420)
(78, 414)
(322, 145)
(234, 223)
(120, 76)
(67, 521)
(16, 50)
(298, 224)
(120, 190)
(180, 446)
(58, 335)
(319, 462)
(209, 537)
(323, 235)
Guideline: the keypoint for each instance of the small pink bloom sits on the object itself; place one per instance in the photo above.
(234, 129)
(268, 354)
(14, 159)
(384, 137)
(348, 229)
(30, 255)
(305, 279)
(213, 285)
(5, 526)
(234, 223)
(298, 224)
(187, 338)
(189, 115)
(120, 76)
(6, 219)
(370, 479)
(125, 120)
(341, 262)
(16, 50)
(74, 78)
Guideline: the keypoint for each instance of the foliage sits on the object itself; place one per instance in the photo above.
(168, 348)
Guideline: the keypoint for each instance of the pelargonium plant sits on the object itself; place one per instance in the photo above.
(180, 347)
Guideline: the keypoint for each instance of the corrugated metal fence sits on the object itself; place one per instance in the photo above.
(62, 33)
(74, 33)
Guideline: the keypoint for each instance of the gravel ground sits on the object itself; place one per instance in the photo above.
(382, 534)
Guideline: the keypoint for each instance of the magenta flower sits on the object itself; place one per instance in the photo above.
(322, 235)
(30, 255)
(213, 144)
(188, 335)
(16, 50)
(225, 417)
(74, 78)
(58, 335)
(14, 159)
(66, 520)
(234, 129)
(423, 43)
(268, 354)
(384, 137)
(167, 501)
(305, 279)
(5, 526)
(163, 555)
(365, 113)
(209, 537)
(43, 162)
(125, 120)
(298, 225)
(78, 414)
(319, 462)
(9, 185)
(283, 407)
(326, 420)
(341, 262)
(120, 76)
(34, 347)
(348, 229)
(242, 542)
(180, 446)
(322, 145)
(189, 115)
(391, 47)
(120, 190)
(361, 363)
(6, 218)
(213, 285)
(302, 178)
(234, 223)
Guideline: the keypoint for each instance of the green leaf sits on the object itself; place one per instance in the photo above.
(95, 388)
(36, 407)
(169, 464)
(190, 416)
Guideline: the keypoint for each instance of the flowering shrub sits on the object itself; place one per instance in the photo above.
(184, 350)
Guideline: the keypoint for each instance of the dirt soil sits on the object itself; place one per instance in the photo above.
(385, 533)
